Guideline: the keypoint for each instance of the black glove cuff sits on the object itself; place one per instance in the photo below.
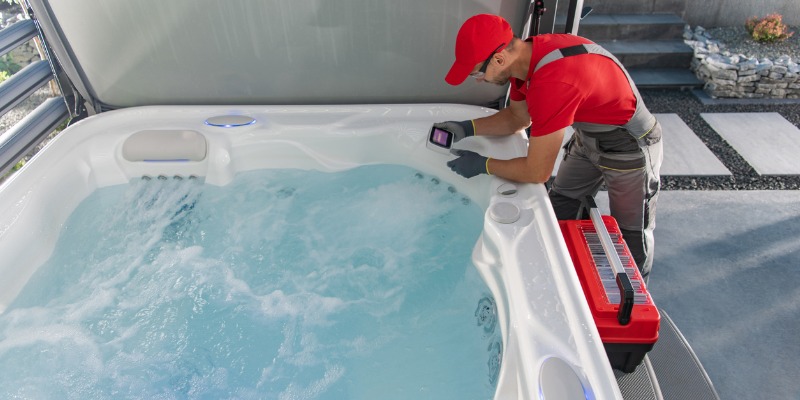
(468, 126)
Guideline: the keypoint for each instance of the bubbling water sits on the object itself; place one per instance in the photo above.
(285, 284)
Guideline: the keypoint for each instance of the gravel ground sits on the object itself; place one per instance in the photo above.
(744, 177)
(688, 107)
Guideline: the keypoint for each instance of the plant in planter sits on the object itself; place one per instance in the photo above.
(752, 61)
(768, 29)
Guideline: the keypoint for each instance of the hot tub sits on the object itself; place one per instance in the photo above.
(551, 348)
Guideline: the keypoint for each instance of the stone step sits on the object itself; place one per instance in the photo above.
(627, 27)
(650, 46)
(650, 53)
(665, 78)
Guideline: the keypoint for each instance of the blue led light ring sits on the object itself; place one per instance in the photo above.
(230, 121)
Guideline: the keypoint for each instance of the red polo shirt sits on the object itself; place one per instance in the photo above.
(582, 88)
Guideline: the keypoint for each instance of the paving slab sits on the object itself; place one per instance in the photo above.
(767, 141)
(684, 152)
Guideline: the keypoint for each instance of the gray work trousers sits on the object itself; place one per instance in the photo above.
(629, 168)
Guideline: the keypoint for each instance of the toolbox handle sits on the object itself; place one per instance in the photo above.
(623, 280)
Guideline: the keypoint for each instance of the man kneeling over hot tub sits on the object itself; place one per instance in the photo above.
(557, 81)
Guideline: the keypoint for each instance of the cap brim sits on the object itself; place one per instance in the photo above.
(458, 73)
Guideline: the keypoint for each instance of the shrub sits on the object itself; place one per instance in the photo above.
(7, 64)
(768, 29)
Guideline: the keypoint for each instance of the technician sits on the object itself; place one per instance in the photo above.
(557, 81)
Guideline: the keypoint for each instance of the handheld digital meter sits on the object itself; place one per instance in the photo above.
(439, 140)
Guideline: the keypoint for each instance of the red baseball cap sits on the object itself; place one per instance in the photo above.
(477, 39)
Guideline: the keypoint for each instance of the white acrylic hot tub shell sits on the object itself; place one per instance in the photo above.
(542, 312)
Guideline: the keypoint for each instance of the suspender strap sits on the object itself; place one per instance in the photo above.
(573, 50)
(589, 48)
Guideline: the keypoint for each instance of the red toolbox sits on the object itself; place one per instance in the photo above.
(623, 310)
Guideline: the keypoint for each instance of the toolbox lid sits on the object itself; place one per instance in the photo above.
(642, 328)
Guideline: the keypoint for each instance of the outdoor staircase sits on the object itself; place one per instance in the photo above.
(650, 46)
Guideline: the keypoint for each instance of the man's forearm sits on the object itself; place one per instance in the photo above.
(537, 167)
(502, 123)
(518, 170)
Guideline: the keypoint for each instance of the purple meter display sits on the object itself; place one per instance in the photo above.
(441, 138)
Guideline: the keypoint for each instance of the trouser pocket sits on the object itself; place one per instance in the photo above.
(567, 146)
(615, 141)
(623, 162)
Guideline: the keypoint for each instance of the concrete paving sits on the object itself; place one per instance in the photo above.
(726, 269)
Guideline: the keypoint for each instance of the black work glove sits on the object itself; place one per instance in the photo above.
(468, 163)
(459, 129)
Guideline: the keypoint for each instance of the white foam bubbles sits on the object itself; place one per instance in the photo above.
(286, 284)
(315, 388)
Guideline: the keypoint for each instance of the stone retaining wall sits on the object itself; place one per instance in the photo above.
(740, 76)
